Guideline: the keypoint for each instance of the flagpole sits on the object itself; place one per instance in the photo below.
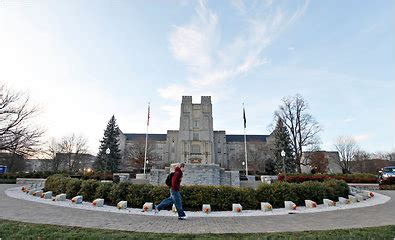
(245, 141)
(146, 139)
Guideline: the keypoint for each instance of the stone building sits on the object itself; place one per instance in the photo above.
(195, 141)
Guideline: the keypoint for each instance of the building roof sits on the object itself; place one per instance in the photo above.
(163, 137)
(249, 138)
(141, 137)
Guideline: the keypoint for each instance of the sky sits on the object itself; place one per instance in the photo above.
(84, 61)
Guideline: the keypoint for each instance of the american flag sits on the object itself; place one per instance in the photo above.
(148, 115)
(244, 117)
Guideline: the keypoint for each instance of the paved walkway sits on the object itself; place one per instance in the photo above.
(26, 211)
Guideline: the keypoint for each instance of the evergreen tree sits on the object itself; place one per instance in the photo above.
(109, 162)
(282, 142)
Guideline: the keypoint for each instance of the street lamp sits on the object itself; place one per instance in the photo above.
(283, 157)
(108, 151)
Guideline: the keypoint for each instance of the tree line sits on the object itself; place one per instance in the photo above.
(295, 133)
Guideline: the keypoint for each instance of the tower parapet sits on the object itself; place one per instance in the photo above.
(205, 100)
(186, 104)
(186, 99)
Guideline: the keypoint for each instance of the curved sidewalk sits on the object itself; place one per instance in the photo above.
(26, 211)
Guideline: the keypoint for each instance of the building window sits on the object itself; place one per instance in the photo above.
(195, 149)
(219, 150)
(196, 136)
(195, 123)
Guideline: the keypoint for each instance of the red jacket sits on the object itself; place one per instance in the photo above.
(176, 180)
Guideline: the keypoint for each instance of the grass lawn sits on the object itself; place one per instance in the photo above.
(19, 230)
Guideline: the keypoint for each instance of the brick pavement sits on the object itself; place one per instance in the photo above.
(26, 211)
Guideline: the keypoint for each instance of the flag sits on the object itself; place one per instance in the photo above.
(244, 117)
(148, 115)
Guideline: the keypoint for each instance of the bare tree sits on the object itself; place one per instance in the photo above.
(51, 151)
(261, 157)
(17, 133)
(318, 162)
(360, 163)
(302, 126)
(135, 152)
(382, 155)
(72, 148)
(347, 148)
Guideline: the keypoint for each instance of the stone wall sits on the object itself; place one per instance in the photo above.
(230, 178)
(158, 176)
(39, 182)
(198, 174)
(202, 174)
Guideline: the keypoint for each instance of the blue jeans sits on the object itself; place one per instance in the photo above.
(175, 197)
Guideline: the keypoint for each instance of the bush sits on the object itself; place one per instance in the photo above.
(73, 186)
(387, 184)
(279, 192)
(88, 189)
(158, 193)
(388, 181)
(13, 175)
(98, 176)
(118, 192)
(7, 181)
(387, 187)
(220, 197)
(56, 183)
(283, 191)
(103, 191)
(349, 178)
(137, 195)
(316, 191)
(336, 189)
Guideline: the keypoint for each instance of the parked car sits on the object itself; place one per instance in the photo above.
(3, 169)
(387, 172)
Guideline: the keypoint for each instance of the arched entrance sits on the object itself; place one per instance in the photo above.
(195, 160)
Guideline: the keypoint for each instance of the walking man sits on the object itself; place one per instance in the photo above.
(175, 196)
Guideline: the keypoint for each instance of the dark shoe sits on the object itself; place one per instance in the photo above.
(182, 218)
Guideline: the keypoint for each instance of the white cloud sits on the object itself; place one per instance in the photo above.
(211, 61)
(348, 120)
(361, 138)
(239, 5)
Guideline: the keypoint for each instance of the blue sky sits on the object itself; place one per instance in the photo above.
(83, 61)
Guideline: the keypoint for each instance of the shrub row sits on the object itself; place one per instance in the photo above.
(220, 197)
(387, 184)
(25, 175)
(97, 176)
(7, 181)
(386, 187)
(349, 178)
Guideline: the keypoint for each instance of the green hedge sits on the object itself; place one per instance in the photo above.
(7, 181)
(103, 191)
(349, 178)
(88, 189)
(220, 197)
(387, 184)
(12, 175)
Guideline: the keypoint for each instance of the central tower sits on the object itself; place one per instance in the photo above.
(195, 139)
